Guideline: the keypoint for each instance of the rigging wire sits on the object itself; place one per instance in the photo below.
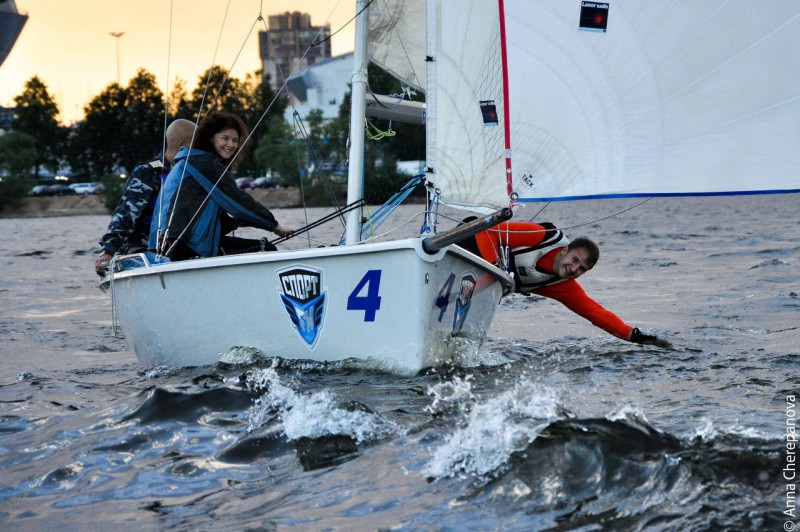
(325, 219)
(610, 216)
(160, 198)
(162, 242)
(384, 211)
(593, 221)
(313, 44)
(166, 93)
(400, 226)
(161, 246)
(495, 230)
(302, 191)
(235, 59)
(539, 211)
(213, 62)
(316, 160)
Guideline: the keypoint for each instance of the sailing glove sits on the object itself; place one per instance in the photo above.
(639, 337)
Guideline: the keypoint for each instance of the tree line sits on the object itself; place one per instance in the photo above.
(124, 126)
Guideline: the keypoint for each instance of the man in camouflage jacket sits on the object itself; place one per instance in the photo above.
(129, 228)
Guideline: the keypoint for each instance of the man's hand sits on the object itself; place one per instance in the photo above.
(638, 337)
(101, 264)
(283, 231)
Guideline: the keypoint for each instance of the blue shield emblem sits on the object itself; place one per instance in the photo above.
(303, 298)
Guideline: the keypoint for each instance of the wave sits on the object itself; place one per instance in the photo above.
(521, 449)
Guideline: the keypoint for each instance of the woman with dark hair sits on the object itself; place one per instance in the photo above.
(221, 134)
(200, 201)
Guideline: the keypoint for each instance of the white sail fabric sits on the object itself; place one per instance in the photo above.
(465, 154)
(673, 98)
(397, 38)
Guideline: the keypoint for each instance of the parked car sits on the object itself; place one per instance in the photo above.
(264, 182)
(244, 182)
(59, 190)
(86, 188)
(38, 190)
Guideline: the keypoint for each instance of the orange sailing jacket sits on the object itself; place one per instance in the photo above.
(568, 292)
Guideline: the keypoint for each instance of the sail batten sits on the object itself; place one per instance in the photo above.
(673, 98)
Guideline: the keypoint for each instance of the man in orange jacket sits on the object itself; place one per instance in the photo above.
(544, 262)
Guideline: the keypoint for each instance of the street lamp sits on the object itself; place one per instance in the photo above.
(117, 35)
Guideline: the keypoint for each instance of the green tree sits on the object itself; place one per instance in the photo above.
(179, 105)
(277, 152)
(17, 161)
(316, 142)
(95, 143)
(217, 90)
(143, 126)
(123, 127)
(36, 114)
(260, 109)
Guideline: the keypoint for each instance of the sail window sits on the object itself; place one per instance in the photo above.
(594, 16)
(489, 112)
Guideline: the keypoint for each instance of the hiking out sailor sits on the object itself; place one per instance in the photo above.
(129, 229)
(201, 203)
(546, 263)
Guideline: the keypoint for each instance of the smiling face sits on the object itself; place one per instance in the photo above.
(225, 143)
(571, 264)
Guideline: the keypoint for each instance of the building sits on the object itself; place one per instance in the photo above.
(11, 24)
(285, 47)
(322, 85)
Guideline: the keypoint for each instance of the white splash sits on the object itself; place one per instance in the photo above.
(708, 431)
(629, 413)
(705, 431)
(451, 397)
(493, 431)
(155, 373)
(242, 355)
(312, 416)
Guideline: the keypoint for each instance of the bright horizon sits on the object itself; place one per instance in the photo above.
(69, 46)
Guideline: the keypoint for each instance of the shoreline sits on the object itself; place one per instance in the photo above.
(50, 206)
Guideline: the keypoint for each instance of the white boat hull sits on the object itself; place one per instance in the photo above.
(390, 303)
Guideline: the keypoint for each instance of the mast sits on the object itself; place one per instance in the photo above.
(355, 172)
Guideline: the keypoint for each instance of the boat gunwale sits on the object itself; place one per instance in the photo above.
(414, 243)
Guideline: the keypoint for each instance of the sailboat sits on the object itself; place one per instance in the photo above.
(526, 101)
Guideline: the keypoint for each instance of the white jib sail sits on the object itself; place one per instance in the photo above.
(613, 99)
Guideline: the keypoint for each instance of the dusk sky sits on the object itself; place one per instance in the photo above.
(67, 43)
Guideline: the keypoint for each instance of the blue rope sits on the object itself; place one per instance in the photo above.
(434, 208)
(384, 211)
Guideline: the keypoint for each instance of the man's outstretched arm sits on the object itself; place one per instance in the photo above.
(571, 295)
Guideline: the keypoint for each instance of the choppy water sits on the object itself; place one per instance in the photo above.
(559, 426)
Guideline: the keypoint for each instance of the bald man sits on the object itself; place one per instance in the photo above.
(129, 228)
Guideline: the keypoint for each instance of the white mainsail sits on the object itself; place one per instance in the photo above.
(669, 98)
